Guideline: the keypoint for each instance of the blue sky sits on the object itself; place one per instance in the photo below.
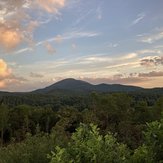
(111, 41)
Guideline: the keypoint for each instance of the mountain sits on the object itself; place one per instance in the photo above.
(67, 84)
(82, 86)
(75, 87)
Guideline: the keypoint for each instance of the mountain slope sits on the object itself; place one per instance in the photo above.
(82, 86)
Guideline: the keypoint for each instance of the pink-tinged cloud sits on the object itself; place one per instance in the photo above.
(152, 61)
(4, 73)
(151, 74)
(2, 84)
(50, 48)
(4, 70)
(7, 78)
(9, 38)
(116, 79)
(16, 22)
(51, 6)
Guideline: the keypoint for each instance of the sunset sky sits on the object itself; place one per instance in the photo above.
(99, 41)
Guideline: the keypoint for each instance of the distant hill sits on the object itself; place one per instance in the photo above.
(82, 86)
(71, 91)
(75, 87)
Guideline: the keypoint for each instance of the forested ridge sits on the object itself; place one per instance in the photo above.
(92, 127)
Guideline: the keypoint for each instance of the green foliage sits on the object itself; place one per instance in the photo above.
(3, 120)
(154, 139)
(87, 145)
(32, 150)
(152, 150)
(142, 155)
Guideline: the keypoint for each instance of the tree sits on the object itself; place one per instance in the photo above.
(33, 149)
(152, 149)
(88, 146)
(154, 139)
(3, 120)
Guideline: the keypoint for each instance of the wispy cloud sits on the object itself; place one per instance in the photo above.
(83, 16)
(151, 74)
(116, 79)
(149, 51)
(70, 35)
(121, 65)
(129, 56)
(59, 39)
(36, 75)
(151, 38)
(112, 45)
(99, 13)
(139, 18)
(50, 48)
(23, 50)
(79, 34)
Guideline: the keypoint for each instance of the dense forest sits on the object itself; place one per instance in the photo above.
(95, 127)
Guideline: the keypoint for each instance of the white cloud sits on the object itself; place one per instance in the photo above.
(140, 17)
(149, 51)
(79, 34)
(151, 38)
(129, 56)
(23, 50)
(120, 65)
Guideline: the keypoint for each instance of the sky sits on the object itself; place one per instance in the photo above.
(98, 41)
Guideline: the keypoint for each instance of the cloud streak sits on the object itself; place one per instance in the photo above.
(140, 17)
(117, 79)
(151, 74)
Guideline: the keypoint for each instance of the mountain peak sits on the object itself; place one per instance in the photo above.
(71, 81)
(71, 84)
(68, 84)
